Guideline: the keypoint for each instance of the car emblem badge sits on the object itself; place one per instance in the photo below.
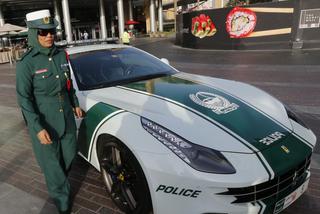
(284, 148)
(295, 178)
(216, 103)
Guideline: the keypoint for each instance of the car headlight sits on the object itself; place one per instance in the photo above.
(294, 116)
(198, 157)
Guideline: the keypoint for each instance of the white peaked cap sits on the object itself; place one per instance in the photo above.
(38, 15)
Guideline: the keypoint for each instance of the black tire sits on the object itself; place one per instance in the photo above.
(123, 177)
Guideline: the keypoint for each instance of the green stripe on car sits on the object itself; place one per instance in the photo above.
(97, 114)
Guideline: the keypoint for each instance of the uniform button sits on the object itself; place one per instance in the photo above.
(50, 59)
(57, 76)
(61, 110)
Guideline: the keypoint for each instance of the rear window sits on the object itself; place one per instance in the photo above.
(109, 67)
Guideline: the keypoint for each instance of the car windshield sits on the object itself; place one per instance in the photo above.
(109, 67)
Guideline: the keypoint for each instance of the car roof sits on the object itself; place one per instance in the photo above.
(87, 48)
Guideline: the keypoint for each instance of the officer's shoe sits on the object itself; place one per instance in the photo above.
(65, 212)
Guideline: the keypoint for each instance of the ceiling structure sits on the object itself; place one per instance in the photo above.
(35, 4)
(14, 11)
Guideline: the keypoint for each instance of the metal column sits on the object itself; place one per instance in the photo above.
(175, 14)
(1, 16)
(130, 10)
(120, 17)
(297, 34)
(75, 33)
(130, 13)
(222, 3)
(57, 17)
(160, 16)
(113, 34)
(79, 34)
(93, 32)
(103, 25)
(67, 20)
(152, 17)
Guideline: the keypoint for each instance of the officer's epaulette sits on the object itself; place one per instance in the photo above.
(25, 54)
(61, 48)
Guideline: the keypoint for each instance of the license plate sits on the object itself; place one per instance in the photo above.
(284, 203)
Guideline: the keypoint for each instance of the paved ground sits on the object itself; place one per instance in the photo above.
(292, 77)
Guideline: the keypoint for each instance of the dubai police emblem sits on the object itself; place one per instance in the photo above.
(216, 103)
(46, 20)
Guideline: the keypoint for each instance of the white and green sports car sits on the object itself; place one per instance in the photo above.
(169, 142)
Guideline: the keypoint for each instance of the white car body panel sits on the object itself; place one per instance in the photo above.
(301, 131)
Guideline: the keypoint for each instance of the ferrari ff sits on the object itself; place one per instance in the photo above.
(168, 142)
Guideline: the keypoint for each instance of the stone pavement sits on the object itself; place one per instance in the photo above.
(22, 186)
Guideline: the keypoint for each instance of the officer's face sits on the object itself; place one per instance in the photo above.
(46, 37)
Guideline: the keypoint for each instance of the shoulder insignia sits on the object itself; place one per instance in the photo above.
(61, 48)
(25, 54)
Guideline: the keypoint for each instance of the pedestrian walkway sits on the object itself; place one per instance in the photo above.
(14, 200)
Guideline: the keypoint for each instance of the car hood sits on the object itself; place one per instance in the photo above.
(222, 114)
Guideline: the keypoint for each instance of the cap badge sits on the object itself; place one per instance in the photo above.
(46, 20)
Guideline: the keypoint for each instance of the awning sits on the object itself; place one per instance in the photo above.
(131, 22)
(9, 27)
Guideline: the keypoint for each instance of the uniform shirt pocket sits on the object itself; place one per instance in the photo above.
(42, 76)
(42, 79)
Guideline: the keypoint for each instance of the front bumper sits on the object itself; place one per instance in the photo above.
(182, 190)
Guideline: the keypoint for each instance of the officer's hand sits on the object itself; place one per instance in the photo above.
(78, 112)
(44, 137)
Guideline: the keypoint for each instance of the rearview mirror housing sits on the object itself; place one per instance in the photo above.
(165, 61)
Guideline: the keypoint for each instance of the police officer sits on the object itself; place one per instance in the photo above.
(48, 103)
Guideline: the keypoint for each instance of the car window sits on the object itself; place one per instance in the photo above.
(103, 68)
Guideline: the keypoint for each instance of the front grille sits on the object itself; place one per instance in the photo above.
(289, 180)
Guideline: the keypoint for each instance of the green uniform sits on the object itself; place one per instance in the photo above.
(41, 84)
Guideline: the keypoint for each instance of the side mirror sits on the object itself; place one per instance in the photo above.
(165, 61)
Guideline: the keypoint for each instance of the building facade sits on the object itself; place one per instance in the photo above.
(105, 18)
